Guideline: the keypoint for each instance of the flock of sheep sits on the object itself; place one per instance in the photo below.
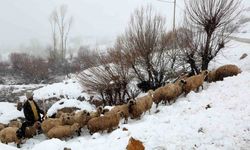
(64, 124)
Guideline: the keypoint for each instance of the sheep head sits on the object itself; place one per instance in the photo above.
(151, 93)
(121, 114)
(37, 125)
(99, 109)
(205, 74)
(131, 102)
(183, 81)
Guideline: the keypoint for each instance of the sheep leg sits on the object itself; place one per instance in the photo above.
(110, 130)
(125, 120)
(79, 132)
(18, 145)
(197, 89)
(157, 105)
(202, 87)
(90, 133)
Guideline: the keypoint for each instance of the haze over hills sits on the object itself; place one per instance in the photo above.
(25, 23)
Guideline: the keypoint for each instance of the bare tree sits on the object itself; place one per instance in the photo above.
(209, 23)
(87, 57)
(109, 79)
(54, 51)
(60, 25)
(146, 49)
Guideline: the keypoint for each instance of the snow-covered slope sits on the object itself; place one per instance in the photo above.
(69, 103)
(186, 124)
(217, 117)
(68, 88)
(8, 111)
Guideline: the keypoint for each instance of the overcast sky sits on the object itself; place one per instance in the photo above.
(97, 21)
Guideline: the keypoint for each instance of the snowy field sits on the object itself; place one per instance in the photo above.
(186, 124)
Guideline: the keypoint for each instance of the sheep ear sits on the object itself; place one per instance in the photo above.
(183, 81)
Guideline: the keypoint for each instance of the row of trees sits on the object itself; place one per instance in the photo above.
(145, 55)
(148, 55)
(34, 69)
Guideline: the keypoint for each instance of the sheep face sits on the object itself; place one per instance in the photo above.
(131, 103)
(67, 118)
(183, 81)
(205, 73)
(151, 93)
(99, 109)
(121, 114)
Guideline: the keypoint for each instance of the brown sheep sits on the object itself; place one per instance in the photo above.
(97, 113)
(194, 82)
(2, 126)
(15, 123)
(120, 108)
(183, 76)
(105, 111)
(224, 71)
(49, 123)
(102, 123)
(82, 118)
(8, 135)
(63, 131)
(134, 144)
(32, 131)
(140, 105)
(168, 93)
(211, 76)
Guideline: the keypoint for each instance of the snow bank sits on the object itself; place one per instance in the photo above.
(231, 55)
(70, 88)
(82, 105)
(7, 147)
(8, 111)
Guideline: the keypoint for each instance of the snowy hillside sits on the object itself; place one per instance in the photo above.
(216, 118)
(186, 124)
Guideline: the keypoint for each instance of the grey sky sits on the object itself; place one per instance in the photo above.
(25, 22)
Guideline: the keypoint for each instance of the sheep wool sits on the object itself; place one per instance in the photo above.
(8, 135)
(63, 131)
(194, 82)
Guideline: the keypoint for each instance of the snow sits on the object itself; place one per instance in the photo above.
(231, 55)
(70, 88)
(7, 147)
(8, 111)
(69, 103)
(186, 124)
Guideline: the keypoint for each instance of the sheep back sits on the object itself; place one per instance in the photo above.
(103, 122)
(8, 135)
(63, 131)
(226, 71)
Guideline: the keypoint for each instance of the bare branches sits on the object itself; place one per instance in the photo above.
(210, 23)
(60, 24)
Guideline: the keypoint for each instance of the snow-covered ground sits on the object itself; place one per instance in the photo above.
(70, 88)
(8, 111)
(186, 124)
(69, 103)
